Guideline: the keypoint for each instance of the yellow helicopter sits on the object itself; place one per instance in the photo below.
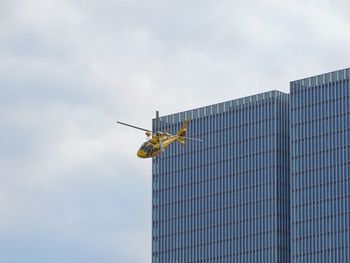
(158, 141)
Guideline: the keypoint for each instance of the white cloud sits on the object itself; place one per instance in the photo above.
(70, 69)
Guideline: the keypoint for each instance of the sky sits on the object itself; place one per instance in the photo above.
(71, 186)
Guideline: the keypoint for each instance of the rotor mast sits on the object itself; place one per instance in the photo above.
(156, 128)
(158, 133)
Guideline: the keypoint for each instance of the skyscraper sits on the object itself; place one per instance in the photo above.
(225, 199)
(320, 168)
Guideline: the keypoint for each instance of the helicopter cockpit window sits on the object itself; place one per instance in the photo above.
(143, 145)
(147, 148)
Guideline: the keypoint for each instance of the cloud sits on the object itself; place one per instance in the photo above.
(71, 187)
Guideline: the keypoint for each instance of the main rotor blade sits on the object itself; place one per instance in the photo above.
(132, 126)
(157, 121)
(194, 139)
(163, 133)
(188, 138)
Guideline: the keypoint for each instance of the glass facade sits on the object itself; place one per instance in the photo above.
(225, 199)
(320, 168)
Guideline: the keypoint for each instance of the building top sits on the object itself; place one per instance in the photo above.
(330, 77)
(222, 106)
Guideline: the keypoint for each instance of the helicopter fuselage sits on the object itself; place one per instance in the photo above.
(152, 147)
(158, 141)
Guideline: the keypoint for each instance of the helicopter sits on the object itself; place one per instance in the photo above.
(158, 141)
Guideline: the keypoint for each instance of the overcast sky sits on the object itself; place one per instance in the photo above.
(71, 186)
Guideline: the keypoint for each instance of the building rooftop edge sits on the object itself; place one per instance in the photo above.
(241, 99)
(322, 74)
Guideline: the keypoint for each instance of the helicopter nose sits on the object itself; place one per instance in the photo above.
(141, 154)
